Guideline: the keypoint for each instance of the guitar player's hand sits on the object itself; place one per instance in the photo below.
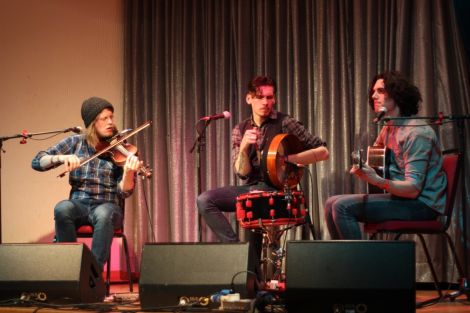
(366, 173)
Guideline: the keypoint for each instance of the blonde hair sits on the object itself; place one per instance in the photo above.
(91, 135)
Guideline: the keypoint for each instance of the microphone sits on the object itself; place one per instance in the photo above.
(76, 130)
(225, 115)
(381, 114)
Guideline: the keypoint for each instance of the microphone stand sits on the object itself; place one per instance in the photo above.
(464, 287)
(198, 145)
(24, 135)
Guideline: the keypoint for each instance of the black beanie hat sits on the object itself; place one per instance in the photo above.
(92, 107)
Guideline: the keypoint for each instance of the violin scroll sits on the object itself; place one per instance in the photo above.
(145, 171)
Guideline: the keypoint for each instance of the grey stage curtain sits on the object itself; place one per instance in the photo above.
(187, 59)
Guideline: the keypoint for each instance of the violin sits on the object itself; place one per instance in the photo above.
(118, 151)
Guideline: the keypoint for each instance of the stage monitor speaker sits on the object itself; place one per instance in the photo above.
(189, 273)
(62, 273)
(350, 276)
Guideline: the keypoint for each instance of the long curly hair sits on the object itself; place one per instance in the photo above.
(400, 89)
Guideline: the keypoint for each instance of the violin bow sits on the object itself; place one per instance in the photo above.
(111, 146)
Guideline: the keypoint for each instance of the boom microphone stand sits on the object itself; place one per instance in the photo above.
(199, 145)
(25, 135)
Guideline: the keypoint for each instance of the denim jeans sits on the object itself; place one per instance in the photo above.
(343, 212)
(212, 203)
(104, 217)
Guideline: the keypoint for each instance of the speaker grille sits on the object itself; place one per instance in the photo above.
(63, 272)
(172, 271)
(329, 275)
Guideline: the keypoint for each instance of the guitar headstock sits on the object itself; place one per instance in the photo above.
(357, 159)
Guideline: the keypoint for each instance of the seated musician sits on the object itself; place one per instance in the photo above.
(250, 138)
(416, 186)
(98, 187)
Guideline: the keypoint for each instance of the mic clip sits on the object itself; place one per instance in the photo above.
(24, 135)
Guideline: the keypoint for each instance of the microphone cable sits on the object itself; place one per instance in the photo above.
(232, 283)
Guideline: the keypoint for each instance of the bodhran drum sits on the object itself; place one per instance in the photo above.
(261, 209)
(276, 171)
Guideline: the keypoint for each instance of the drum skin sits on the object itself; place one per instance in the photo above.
(277, 172)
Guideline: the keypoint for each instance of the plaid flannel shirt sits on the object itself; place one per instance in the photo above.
(289, 126)
(98, 179)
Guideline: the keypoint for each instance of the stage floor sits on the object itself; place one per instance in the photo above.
(121, 300)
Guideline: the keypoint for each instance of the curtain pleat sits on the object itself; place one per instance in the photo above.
(188, 59)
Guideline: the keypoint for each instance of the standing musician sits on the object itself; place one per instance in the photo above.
(98, 187)
(250, 139)
(416, 188)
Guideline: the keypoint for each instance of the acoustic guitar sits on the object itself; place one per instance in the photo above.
(378, 157)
